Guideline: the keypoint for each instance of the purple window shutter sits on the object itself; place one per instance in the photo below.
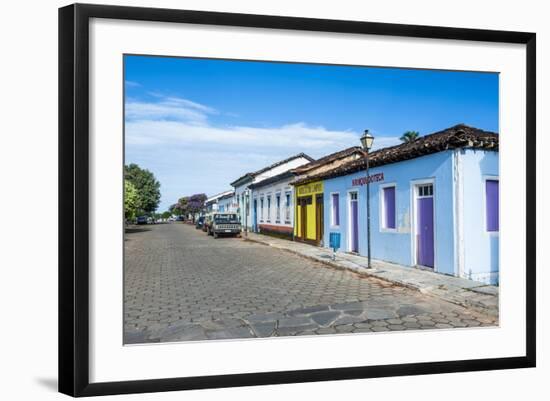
(491, 200)
(389, 206)
(336, 209)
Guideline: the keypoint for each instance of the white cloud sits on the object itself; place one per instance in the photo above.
(298, 136)
(158, 112)
(177, 102)
(132, 84)
(175, 121)
(168, 109)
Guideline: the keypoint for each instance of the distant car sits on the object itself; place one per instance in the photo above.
(224, 224)
(141, 220)
(199, 223)
(179, 218)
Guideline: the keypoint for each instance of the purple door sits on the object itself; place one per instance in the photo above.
(354, 224)
(425, 232)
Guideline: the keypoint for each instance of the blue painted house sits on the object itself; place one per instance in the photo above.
(226, 202)
(220, 202)
(434, 203)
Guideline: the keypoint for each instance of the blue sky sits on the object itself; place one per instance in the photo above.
(199, 124)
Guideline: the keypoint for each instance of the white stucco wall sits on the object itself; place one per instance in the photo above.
(481, 248)
(246, 215)
(281, 188)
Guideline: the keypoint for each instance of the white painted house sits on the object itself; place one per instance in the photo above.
(243, 192)
(272, 205)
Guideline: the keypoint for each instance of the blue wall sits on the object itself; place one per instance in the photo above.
(397, 246)
(481, 248)
(225, 205)
(459, 196)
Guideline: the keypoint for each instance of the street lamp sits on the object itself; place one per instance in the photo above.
(366, 142)
(245, 207)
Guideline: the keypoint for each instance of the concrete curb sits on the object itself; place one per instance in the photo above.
(468, 297)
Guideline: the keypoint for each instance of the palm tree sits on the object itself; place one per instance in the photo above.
(409, 136)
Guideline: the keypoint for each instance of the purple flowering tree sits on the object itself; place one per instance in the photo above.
(182, 206)
(195, 204)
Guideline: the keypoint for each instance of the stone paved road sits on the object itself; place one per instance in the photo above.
(182, 285)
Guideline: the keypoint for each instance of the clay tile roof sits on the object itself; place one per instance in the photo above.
(459, 136)
(276, 164)
(327, 159)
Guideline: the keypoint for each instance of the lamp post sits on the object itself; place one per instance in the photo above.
(366, 142)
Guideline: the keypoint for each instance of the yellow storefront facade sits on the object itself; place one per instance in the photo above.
(309, 211)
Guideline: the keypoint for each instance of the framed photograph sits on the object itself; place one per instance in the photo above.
(251, 199)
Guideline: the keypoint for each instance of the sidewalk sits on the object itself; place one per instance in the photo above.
(471, 294)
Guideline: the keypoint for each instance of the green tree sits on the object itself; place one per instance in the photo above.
(409, 136)
(131, 199)
(174, 209)
(147, 186)
(166, 214)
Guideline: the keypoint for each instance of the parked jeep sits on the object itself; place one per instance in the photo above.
(224, 224)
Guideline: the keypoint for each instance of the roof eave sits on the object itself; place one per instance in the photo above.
(340, 172)
(242, 180)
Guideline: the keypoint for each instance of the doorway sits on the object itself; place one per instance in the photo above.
(354, 222)
(319, 214)
(255, 215)
(425, 225)
(303, 202)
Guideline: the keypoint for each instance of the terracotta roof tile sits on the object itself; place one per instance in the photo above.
(459, 136)
(327, 159)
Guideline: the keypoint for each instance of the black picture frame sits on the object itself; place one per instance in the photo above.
(74, 200)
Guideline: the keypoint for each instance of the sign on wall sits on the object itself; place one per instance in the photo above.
(311, 188)
(379, 177)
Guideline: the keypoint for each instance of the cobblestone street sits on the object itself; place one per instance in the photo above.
(182, 285)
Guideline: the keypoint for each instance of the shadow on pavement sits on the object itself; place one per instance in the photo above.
(134, 230)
